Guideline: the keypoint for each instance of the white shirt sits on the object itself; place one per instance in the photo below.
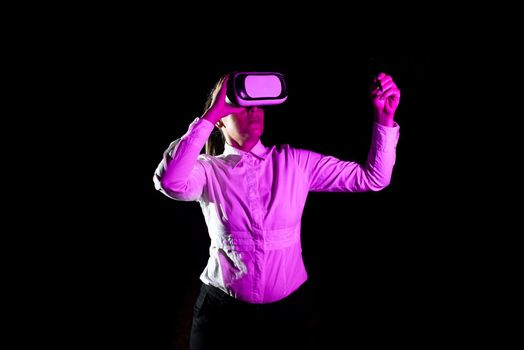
(253, 203)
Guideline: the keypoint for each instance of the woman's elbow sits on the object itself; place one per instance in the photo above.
(165, 184)
(376, 185)
(174, 189)
(160, 183)
(180, 192)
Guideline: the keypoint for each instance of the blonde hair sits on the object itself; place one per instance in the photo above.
(216, 141)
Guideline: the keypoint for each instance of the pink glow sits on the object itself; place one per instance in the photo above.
(254, 227)
(253, 196)
(263, 86)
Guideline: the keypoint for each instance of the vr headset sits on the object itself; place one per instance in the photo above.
(256, 89)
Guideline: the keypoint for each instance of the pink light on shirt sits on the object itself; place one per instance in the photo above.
(253, 202)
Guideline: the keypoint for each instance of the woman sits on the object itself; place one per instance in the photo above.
(252, 198)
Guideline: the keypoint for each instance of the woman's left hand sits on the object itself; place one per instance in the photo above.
(385, 97)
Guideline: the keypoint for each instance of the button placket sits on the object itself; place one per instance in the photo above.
(254, 206)
(254, 195)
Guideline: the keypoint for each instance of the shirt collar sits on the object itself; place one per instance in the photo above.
(259, 150)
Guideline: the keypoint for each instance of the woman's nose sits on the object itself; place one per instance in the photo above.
(253, 109)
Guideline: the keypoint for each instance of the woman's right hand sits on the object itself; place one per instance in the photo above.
(220, 108)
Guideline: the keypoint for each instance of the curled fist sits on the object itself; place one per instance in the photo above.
(385, 98)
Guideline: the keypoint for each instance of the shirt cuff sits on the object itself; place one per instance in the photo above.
(385, 137)
(199, 128)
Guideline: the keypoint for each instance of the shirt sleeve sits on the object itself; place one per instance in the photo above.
(329, 174)
(180, 175)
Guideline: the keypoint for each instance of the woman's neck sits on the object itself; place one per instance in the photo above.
(243, 145)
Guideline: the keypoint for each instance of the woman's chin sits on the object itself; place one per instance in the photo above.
(256, 126)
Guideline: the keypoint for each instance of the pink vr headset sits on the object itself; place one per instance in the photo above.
(256, 89)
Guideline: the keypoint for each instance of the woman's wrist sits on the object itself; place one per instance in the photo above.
(385, 120)
(211, 116)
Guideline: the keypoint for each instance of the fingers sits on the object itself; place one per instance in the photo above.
(377, 86)
(384, 87)
(392, 95)
(381, 75)
(233, 109)
(223, 88)
(384, 82)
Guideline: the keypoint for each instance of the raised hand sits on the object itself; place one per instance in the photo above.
(385, 98)
(219, 107)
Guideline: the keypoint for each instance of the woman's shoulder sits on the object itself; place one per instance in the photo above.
(280, 148)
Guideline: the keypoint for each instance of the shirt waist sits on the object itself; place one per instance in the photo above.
(256, 267)
(248, 241)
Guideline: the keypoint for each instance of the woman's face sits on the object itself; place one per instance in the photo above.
(246, 125)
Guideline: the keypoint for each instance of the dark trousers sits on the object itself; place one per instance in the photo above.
(223, 322)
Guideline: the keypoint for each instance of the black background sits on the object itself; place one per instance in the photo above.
(97, 258)
(374, 264)
(380, 264)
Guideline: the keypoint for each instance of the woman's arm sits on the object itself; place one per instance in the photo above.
(331, 174)
(179, 175)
